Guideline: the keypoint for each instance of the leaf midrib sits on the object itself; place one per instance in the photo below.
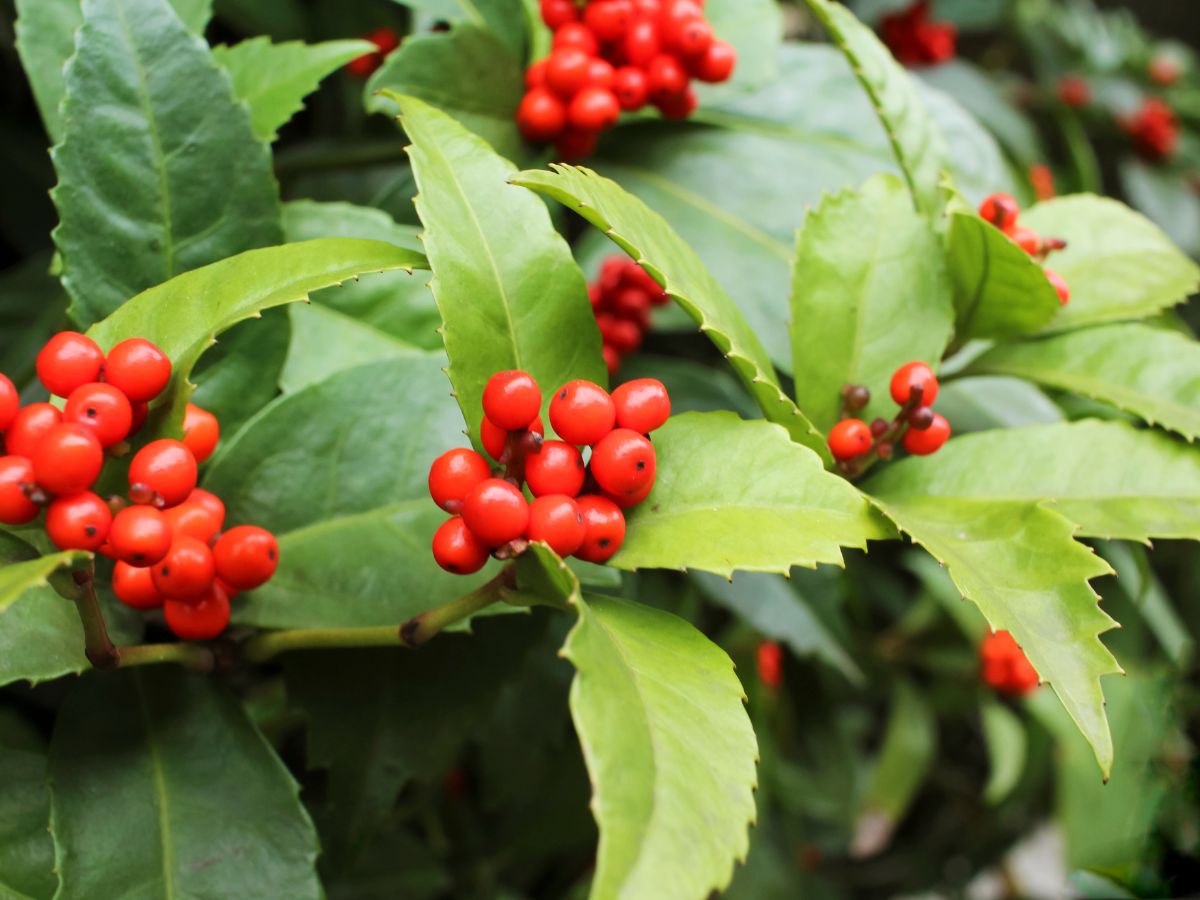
(160, 790)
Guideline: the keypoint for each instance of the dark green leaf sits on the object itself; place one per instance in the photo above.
(755, 28)
(26, 851)
(506, 19)
(1159, 194)
(32, 307)
(241, 374)
(1004, 734)
(325, 341)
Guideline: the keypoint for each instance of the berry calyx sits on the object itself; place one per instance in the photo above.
(642, 405)
(1001, 210)
(496, 512)
(80, 522)
(69, 360)
(103, 409)
(511, 400)
(138, 369)
(246, 557)
(849, 438)
(139, 536)
(201, 432)
(67, 460)
(911, 376)
(187, 571)
(930, 440)
(135, 587)
(16, 481)
(28, 428)
(166, 470)
(623, 463)
(555, 519)
(201, 619)
(604, 528)
(457, 550)
(582, 412)
(10, 402)
(454, 474)
(556, 468)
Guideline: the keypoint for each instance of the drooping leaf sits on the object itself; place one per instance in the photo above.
(649, 239)
(1006, 747)
(735, 495)
(274, 79)
(869, 293)
(1150, 372)
(206, 807)
(325, 341)
(26, 851)
(1118, 264)
(137, 156)
(668, 746)
(982, 402)
(510, 294)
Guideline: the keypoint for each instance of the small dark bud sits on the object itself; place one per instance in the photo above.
(878, 427)
(920, 418)
(855, 397)
(140, 493)
(884, 450)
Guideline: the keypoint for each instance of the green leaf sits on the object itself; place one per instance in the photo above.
(735, 495)
(650, 240)
(33, 307)
(983, 402)
(1158, 192)
(919, 147)
(325, 341)
(755, 28)
(869, 293)
(467, 72)
(240, 375)
(1004, 735)
(510, 294)
(506, 19)
(999, 291)
(184, 315)
(354, 544)
(668, 746)
(137, 151)
(1118, 264)
(1139, 582)
(26, 851)
(274, 79)
(23, 570)
(1152, 373)
(159, 780)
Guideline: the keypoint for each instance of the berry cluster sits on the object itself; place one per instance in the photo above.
(364, 66)
(614, 55)
(577, 505)
(1002, 210)
(855, 444)
(916, 41)
(622, 298)
(166, 537)
(1005, 666)
(1154, 129)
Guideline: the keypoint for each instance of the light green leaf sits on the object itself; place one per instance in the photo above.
(274, 79)
(669, 749)
(1118, 264)
(137, 153)
(1152, 373)
(510, 294)
(325, 341)
(506, 19)
(869, 293)
(184, 315)
(650, 240)
(735, 495)
(915, 139)
(755, 28)
(983, 402)
(999, 291)
(23, 570)
(1004, 735)
(1157, 192)
(26, 851)
(206, 807)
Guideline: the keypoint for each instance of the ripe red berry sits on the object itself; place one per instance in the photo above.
(140, 536)
(1060, 287)
(67, 460)
(246, 557)
(1074, 91)
(1027, 239)
(641, 43)
(535, 75)
(555, 519)
(612, 359)
(1005, 666)
(679, 106)
(385, 38)
(454, 474)
(693, 38)
(911, 376)
(201, 619)
(16, 478)
(557, 468)
(135, 587)
(594, 109)
(31, 424)
(1001, 210)
(608, 20)
(557, 13)
(511, 399)
(576, 36)
(495, 438)
(642, 405)
(541, 115)
(575, 144)
(624, 335)
(138, 369)
(10, 402)
(849, 438)
(69, 360)
(623, 463)
(601, 74)
(165, 468)
(201, 432)
(666, 77)
(363, 66)
(582, 412)
(496, 512)
(102, 409)
(604, 530)
(770, 664)
(187, 571)
(196, 520)
(717, 63)
(567, 71)
(630, 500)
(140, 411)
(457, 550)
(631, 88)
(209, 501)
(930, 440)
(80, 522)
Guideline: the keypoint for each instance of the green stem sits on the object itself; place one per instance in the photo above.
(97, 645)
(190, 656)
(413, 633)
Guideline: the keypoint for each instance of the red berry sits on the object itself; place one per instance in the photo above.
(612, 270)
(535, 75)
(454, 474)
(930, 440)
(541, 115)
(604, 528)
(69, 360)
(1002, 210)
(608, 20)
(914, 375)
(201, 432)
(494, 438)
(1164, 71)
(67, 460)
(201, 619)
(555, 519)
(623, 463)
(1074, 91)
(556, 468)
(637, 277)
(631, 88)
(582, 412)
(246, 557)
(135, 587)
(601, 74)
(849, 438)
(29, 427)
(187, 571)
(1005, 666)
(624, 335)
(679, 106)
(567, 71)
(140, 411)
(612, 359)
(209, 501)
(138, 369)
(693, 38)
(80, 522)
(363, 66)
(666, 77)
(1060, 287)
(1027, 239)
(642, 405)
(511, 399)
(16, 478)
(717, 63)
(594, 109)
(384, 38)
(770, 664)
(674, 13)
(557, 13)
(631, 303)
(642, 43)
(574, 144)
(140, 536)
(628, 501)
(576, 36)
(197, 520)
(165, 468)
(10, 402)
(457, 550)
(496, 512)
(102, 409)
